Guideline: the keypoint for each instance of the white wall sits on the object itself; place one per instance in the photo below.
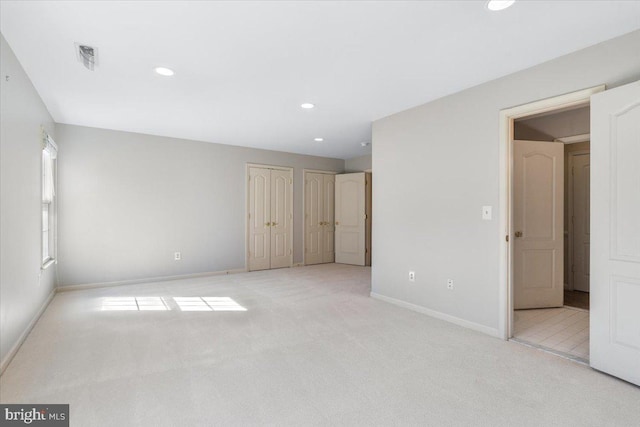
(437, 164)
(358, 164)
(128, 201)
(23, 289)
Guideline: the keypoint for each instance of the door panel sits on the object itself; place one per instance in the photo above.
(260, 219)
(615, 232)
(328, 210)
(580, 169)
(281, 203)
(350, 218)
(313, 240)
(538, 189)
(538, 223)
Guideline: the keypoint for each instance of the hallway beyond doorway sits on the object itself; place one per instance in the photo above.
(562, 330)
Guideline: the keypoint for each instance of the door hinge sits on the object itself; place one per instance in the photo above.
(506, 238)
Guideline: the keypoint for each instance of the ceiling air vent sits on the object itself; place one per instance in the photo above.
(87, 56)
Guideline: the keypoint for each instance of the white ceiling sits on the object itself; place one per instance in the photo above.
(243, 68)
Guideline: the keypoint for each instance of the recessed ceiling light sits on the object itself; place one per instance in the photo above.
(307, 105)
(365, 143)
(318, 139)
(496, 5)
(164, 71)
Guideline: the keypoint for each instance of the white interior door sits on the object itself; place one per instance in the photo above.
(615, 231)
(538, 174)
(281, 218)
(350, 218)
(580, 230)
(259, 219)
(328, 218)
(314, 229)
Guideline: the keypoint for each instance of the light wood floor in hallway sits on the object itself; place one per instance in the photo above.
(292, 347)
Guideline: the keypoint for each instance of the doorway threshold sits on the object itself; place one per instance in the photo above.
(568, 356)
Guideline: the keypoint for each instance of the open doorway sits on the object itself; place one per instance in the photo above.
(614, 270)
(551, 181)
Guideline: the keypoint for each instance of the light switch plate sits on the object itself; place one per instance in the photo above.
(486, 213)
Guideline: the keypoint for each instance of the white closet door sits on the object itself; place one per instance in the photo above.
(259, 219)
(615, 232)
(328, 209)
(350, 218)
(538, 174)
(314, 218)
(281, 218)
(581, 233)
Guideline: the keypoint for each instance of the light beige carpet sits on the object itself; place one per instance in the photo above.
(312, 348)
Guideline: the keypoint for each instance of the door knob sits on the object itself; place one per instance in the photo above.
(518, 233)
(321, 223)
(274, 223)
(267, 224)
(337, 222)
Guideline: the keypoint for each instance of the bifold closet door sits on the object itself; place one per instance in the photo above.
(328, 209)
(259, 219)
(319, 218)
(270, 218)
(314, 222)
(281, 218)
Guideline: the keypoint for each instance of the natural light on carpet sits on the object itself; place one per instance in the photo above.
(134, 304)
(165, 304)
(208, 304)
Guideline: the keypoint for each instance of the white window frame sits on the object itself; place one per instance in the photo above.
(48, 179)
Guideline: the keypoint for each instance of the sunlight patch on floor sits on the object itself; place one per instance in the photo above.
(208, 304)
(165, 304)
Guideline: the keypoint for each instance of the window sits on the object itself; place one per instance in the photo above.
(49, 154)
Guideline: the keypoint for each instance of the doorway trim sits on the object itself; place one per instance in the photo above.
(304, 206)
(505, 225)
(248, 166)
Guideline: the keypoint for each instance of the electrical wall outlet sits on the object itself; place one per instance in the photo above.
(412, 276)
(450, 284)
(177, 256)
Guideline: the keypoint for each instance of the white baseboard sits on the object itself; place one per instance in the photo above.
(9, 357)
(438, 315)
(298, 264)
(66, 288)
